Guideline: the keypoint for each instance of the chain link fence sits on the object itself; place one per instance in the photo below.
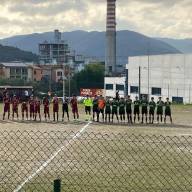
(31, 161)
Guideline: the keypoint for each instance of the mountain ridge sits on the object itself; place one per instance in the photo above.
(129, 43)
(8, 54)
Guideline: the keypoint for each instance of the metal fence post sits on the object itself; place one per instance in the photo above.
(57, 185)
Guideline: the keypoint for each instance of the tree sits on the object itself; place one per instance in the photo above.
(91, 77)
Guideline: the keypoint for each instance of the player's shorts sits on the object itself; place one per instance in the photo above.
(159, 112)
(15, 110)
(88, 109)
(114, 112)
(128, 111)
(122, 112)
(55, 109)
(31, 109)
(46, 109)
(95, 109)
(108, 111)
(101, 111)
(136, 111)
(167, 112)
(24, 109)
(37, 110)
(151, 112)
(144, 110)
(6, 109)
(65, 108)
(74, 110)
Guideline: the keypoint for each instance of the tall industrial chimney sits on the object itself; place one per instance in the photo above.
(57, 36)
(110, 53)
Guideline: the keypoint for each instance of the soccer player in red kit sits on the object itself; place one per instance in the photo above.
(55, 107)
(46, 108)
(74, 107)
(15, 104)
(6, 101)
(37, 108)
(31, 108)
(24, 109)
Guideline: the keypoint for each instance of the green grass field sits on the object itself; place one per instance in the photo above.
(104, 158)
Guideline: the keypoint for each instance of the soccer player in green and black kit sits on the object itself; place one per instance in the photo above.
(108, 110)
(122, 109)
(128, 104)
(152, 106)
(168, 110)
(136, 109)
(160, 105)
(115, 105)
(95, 107)
(144, 108)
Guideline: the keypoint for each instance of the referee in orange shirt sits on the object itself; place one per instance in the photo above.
(101, 106)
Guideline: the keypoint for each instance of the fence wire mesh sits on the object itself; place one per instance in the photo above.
(31, 161)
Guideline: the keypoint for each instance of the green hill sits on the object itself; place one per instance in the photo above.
(8, 54)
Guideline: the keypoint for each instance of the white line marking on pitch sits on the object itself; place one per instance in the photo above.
(46, 163)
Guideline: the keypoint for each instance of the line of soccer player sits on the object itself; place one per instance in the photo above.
(119, 108)
(31, 108)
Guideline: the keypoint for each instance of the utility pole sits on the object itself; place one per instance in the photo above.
(69, 77)
(63, 80)
(148, 52)
(50, 78)
(168, 90)
(148, 79)
(190, 94)
(139, 82)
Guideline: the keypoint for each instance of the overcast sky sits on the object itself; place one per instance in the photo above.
(158, 18)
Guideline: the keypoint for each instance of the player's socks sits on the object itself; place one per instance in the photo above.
(142, 120)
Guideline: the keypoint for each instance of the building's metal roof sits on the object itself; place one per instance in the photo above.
(15, 64)
(15, 87)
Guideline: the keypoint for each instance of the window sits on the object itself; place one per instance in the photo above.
(156, 91)
(35, 72)
(24, 71)
(12, 77)
(120, 87)
(59, 73)
(134, 89)
(24, 78)
(12, 71)
(177, 100)
(110, 68)
(109, 86)
(18, 71)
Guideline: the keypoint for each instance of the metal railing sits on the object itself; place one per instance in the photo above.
(31, 161)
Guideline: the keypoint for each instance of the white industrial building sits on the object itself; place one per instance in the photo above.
(161, 75)
(113, 84)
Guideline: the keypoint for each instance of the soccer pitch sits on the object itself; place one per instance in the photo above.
(100, 158)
